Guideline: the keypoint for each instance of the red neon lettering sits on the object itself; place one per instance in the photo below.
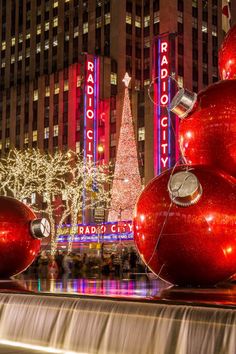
(90, 134)
(164, 122)
(164, 135)
(164, 86)
(90, 114)
(81, 230)
(164, 60)
(90, 90)
(164, 161)
(164, 99)
(164, 146)
(113, 228)
(90, 102)
(103, 229)
(89, 156)
(90, 78)
(87, 230)
(164, 46)
(164, 73)
(90, 66)
(130, 227)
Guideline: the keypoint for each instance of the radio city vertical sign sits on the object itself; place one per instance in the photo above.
(91, 104)
(165, 122)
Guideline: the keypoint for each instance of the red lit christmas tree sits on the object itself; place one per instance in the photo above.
(127, 182)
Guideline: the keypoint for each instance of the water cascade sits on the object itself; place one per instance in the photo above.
(91, 325)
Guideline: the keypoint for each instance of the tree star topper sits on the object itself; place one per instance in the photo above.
(126, 79)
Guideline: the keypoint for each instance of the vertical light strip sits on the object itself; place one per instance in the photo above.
(155, 108)
(85, 127)
(169, 122)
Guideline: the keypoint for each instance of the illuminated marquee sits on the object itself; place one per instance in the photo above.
(106, 232)
(165, 123)
(91, 97)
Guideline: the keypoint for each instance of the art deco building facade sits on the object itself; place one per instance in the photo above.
(45, 50)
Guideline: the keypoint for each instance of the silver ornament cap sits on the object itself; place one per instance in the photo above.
(183, 102)
(40, 228)
(184, 188)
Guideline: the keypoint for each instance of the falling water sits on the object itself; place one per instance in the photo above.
(103, 326)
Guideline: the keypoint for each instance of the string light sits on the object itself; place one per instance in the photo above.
(58, 182)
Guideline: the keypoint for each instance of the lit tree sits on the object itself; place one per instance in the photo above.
(127, 182)
(59, 182)
(21, 173)
(89, 181)
(56, 171)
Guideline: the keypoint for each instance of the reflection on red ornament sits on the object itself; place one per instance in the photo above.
(208, 134)
(19, 233)
(227, 56)
(193, 243)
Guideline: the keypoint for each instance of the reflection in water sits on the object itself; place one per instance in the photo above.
(142, 288)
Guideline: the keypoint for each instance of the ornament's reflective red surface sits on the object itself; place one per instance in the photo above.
(208, 134)
(193, 245)
(17, 246)
(227, 56)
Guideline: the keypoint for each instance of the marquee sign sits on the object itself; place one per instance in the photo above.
(105, 232)
(165, 122)
(91, 98)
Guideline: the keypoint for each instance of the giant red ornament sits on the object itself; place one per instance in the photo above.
(208, 134)
(20, 234)
(188, 244)
(227, 56)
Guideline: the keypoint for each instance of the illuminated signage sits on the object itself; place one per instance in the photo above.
(165, 123)
(91, 96)
(164, 101)
(105, 232)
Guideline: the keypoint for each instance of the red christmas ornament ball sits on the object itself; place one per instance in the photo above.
(227, 56)
(208, 134)
(193, 243)
(18, 248)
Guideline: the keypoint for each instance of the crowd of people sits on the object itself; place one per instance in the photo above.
(82, 264)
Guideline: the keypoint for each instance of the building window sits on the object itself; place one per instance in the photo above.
(128, 18)
(107, 18)
(138, 21)
(35, 135)
(156, 17)
(180, 17)
(55, 130)
(76, 32)
(113, 78)
(47, 91)
(55, 21)
(141, 134)
(146, 21)
(66, 85)
(26, 138)
(180, 81)
(56, 88)
(85, 27)
(46, 133)
(204, 27)
(98, 22)
(36, 95)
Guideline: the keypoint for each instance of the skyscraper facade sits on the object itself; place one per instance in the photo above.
(48, 96)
